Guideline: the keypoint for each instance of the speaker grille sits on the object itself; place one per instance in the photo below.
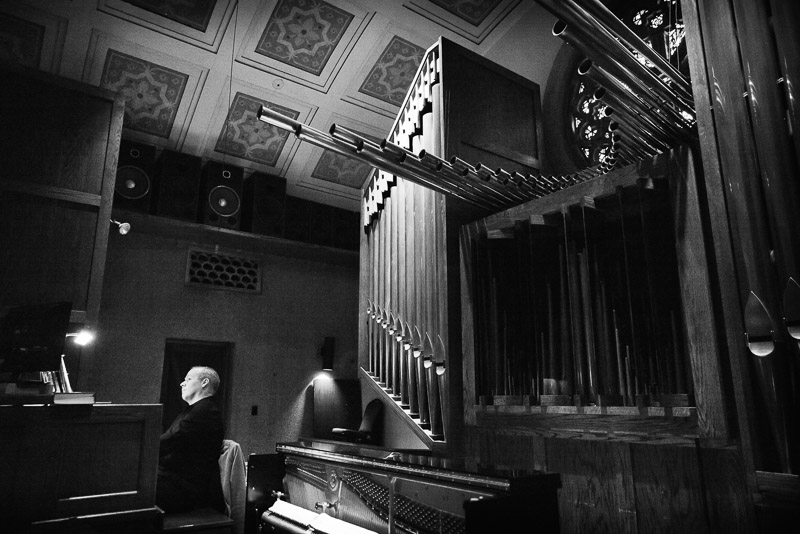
(221, 271)
(132, 182)
(224, 201)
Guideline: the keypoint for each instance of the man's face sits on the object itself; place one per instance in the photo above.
(192, 387)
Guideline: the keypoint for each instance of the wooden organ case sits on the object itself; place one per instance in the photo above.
(660, 385)
(459, 107)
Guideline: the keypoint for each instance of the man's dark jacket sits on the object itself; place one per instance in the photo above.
(191, 446)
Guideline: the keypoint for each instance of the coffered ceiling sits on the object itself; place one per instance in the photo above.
(194, 72)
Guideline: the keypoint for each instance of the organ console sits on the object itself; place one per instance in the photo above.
(388, 491)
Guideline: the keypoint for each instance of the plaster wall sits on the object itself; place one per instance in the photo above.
(277, 335)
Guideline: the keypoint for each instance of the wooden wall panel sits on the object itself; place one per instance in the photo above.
(729, 503)
(597, 491)
(65, 461)
(56, 189)
(508, 450)
(46, 256)
(668, 489)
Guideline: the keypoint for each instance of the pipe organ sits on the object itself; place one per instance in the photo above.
(652, 298)
(450, 157)
(581, 305)
(410, 228)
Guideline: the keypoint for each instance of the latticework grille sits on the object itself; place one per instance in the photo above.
(223, 271)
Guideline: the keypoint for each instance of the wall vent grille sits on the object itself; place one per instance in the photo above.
(222, 271)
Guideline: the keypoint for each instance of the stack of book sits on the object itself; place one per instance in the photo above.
(43, 387)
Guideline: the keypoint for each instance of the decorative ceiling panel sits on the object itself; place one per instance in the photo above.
(194, 14)
(200, 23)
(338, 169)
(20, 41)
(391, 76)
(474, 19)
(235, 134)
(383, 80)
(31, 37)
(303, 34)
(472, 11)
(306, 41)
(161, 91)
(332, 173)
(152, 92)
(244, 136)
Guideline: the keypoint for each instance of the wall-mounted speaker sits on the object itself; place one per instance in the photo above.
(296, 221)
(178, 185)
(320, 224)
(346, 229)
(133, 188)
(263, 204)
(221, 195)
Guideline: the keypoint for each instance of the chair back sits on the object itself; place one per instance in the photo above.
(371, 414)
(234, 482)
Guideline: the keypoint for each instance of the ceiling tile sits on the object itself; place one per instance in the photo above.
(306, 41)
(393, 72)
(471, 11)
(152, 92)
(381, 84)
(31, 37)
(201, 23)
(236, 136)
(471, 19)
(244, 136)
(161, 90)
(303, 34)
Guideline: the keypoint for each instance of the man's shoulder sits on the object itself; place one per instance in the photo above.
(206, 407)
(206, 404)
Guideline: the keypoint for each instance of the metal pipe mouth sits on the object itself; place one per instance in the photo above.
(559, 27)
(585, 66)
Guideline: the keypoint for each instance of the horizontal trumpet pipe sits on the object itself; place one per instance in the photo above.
(443, 168)
(625, 66)
(428, 161)
(603, 16)
(622, 86)
(643, 124)
(470, 173)
(347, 148)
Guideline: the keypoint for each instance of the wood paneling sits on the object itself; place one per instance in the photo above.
(668, 489)
(57, 173)
(64, 461)
(597, 492)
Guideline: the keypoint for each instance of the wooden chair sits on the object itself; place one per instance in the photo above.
(207, 520)
(369, 431)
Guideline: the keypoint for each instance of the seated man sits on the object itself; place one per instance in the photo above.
(188, 468)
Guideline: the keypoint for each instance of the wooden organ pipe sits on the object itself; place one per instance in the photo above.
(400, 334)
(419, 263)
(632, 362)
(395, 274)
(586, 288)
(387, 273)
(378, 229)
(411, 281)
